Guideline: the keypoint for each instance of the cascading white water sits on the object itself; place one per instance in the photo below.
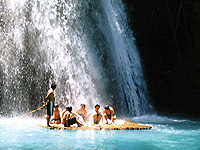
(131, 84)
(81, 45)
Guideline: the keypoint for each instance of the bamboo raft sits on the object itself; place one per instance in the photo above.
(125, 126)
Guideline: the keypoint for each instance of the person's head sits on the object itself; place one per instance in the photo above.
(70, 108)
(107, 107)
(82, 106)
(53, 86)
(97, 106)
(56, 106)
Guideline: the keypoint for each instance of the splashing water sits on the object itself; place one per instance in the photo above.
(83, 46)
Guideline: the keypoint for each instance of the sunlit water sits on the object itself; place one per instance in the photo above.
(166, 133)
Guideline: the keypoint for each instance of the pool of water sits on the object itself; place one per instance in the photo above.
(166, 133)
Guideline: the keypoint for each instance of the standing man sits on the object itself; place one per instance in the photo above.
(49, 102)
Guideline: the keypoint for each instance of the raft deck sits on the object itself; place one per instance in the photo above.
(125, 126)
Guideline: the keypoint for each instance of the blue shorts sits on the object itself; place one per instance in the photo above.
(50, 106)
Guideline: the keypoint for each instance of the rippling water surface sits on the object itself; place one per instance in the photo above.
(166, 133)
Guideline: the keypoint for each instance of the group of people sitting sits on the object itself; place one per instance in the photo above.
(67, 117)
(81, 116)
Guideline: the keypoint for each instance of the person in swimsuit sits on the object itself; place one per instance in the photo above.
(49, 102)
(63, 112)
(71, 118)
(109, 114)
(83, 113)
(97, 115)
(57, 115)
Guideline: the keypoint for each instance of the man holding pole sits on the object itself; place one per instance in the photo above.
(49, 102)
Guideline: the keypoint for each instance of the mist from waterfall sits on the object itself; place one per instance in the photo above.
(84, 46)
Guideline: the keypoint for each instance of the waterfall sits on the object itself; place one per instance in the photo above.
(84, 46)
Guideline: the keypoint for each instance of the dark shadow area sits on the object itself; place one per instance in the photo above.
(167, 37)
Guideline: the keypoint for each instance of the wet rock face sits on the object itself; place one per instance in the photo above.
(167, 37)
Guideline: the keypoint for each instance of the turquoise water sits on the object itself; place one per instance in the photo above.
(166, 133)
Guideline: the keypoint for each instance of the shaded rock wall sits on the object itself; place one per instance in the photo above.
(167, 36)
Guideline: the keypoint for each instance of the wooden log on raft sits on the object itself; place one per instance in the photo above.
(125, 126)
